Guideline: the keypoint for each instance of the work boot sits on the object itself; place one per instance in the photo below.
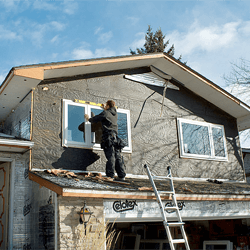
(120, 179)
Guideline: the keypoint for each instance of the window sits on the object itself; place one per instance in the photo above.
(201, 140)
(73, 116)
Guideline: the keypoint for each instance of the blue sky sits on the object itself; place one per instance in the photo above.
(209, 34)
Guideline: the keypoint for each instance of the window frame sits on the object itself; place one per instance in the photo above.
(210, 126)
(88, 134)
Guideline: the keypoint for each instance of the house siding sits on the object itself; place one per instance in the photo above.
(29, 202)
(154, 137)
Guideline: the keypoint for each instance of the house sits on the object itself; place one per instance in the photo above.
(169, 115)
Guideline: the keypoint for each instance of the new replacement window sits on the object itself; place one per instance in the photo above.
(90, 137)
(201, 140)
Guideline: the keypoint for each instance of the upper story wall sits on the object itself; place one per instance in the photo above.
(154, 137)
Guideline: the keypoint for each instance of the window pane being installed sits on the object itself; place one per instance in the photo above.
(196, 139)
(75, 118)
(219, 147)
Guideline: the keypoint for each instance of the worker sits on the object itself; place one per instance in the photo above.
(111, 143)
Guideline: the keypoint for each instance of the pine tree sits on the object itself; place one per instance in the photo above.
(154, 42)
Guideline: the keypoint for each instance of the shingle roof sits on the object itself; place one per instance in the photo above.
(94, 184)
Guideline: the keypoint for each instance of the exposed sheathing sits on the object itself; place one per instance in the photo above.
(18, 122)
(247, 166)
(154, 137)
(29, 203)
(71, 232)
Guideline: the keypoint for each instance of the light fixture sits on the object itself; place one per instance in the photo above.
(85, 215)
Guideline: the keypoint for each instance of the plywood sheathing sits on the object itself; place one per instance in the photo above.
(34, 73)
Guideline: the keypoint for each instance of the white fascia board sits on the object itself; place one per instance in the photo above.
(16, 143)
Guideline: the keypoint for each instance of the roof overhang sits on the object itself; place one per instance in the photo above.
(15, 146)
(110, 194)
(22, 79)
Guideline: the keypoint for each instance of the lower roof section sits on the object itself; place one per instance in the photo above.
(80, 185)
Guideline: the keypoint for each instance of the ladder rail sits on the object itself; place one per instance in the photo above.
(167, 225)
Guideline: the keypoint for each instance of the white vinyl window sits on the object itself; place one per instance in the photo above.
(201, 140)
(73, 116)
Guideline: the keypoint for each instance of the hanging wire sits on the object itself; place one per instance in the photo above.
(163, 95)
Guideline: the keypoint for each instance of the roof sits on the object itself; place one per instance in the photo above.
(10, 143)
(20, 80)
(71, 184)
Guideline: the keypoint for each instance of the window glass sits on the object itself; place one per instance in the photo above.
(122, 127)
(196, 139)
(201, 140)
(218, 140)
(75, 118)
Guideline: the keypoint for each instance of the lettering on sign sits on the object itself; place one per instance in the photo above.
(26, 209)
(120, 206)
(180, 204)
(26, 173)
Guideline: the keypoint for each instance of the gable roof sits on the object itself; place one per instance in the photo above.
(21, 80)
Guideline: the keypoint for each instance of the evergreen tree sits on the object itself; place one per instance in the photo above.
(154, 42)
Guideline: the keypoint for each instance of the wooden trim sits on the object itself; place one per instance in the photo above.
(14, 146)
(3, 206)
(149, 197)
(45, 183)
(4, 179)
(112, 196)
(2, 233)
(34, 73)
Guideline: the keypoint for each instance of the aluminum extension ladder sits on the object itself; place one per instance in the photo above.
(167, 224)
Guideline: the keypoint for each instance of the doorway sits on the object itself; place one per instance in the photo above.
(4, 203)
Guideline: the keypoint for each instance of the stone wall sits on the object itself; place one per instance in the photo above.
(154, 137)
(71, 234)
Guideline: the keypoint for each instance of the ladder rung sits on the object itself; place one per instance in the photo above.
(178, 241)
(171, 208)
(160, 178)
(165, 192)
(175, 224)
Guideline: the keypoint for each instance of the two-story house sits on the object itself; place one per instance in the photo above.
(168, 114)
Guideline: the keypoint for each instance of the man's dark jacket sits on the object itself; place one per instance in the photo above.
(108, 118)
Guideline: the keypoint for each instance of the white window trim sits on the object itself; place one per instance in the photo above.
(88, 144)
(196, 156)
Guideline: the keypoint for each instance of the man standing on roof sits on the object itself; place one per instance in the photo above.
(110, 142)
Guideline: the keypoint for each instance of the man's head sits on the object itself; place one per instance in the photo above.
(109, 104)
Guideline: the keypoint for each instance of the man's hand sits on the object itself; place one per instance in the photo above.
(86, 117)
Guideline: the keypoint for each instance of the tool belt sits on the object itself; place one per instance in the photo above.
(112, 140)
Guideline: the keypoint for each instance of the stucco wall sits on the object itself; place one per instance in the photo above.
(154, 137)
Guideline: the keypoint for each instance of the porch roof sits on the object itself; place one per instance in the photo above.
(138, 188)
